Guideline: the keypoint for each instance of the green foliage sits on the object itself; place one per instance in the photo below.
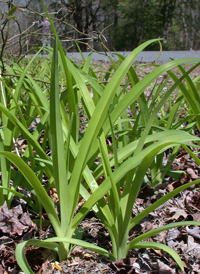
(141, 21)
(174, 39)
(140, 136)
(175, 21)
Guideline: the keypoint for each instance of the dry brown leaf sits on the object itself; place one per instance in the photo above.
(77, 251)
(158, 252)
(173, 234)
(165, 269)
(178, 213)
(191, 173)
(53, 194)
(193, 248)
(196, 217)
(14, 222)
(195, 231)
(56, 265)
(87, 255)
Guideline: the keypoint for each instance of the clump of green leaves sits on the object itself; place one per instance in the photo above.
(136, 141)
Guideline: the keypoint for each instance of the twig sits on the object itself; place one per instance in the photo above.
(83, 270)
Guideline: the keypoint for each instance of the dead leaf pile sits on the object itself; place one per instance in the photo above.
(15, 226)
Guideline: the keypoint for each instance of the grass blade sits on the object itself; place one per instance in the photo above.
(163, 247)
(57, 143)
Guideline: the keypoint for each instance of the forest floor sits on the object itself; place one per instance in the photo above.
(16, 226)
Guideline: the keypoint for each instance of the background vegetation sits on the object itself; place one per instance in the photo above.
(120, 24)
